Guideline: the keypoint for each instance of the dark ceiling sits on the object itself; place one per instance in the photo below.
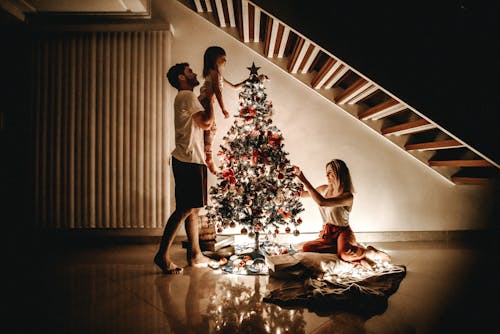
(441, 57)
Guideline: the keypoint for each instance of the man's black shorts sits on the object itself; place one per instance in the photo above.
(190, 184)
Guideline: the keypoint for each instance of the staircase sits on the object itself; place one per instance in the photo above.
(318, 69)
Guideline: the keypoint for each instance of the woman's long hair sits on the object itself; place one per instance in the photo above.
(343, 175)
(210, 57)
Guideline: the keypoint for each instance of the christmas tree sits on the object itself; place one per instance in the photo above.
(256, 185)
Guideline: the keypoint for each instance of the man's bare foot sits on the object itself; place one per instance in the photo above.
(200, 261)
(167, 267)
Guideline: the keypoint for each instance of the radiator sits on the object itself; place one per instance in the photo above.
(103, 129)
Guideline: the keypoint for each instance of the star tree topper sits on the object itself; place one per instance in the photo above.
(253, 70)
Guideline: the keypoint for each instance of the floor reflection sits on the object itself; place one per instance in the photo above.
(217, 302)
(117, 289)
(237, 307)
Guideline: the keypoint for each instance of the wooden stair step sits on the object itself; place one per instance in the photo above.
(470, 180)
(410, 127)
(354, 89)
(383, 109)
(434, 145)
(460, 163)
(478, 175)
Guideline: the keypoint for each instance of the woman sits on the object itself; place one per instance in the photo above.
(335, 201)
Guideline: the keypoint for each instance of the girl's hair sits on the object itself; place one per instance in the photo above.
(210, 57)
(343, 175)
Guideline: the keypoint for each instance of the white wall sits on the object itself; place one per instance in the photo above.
(393, 191)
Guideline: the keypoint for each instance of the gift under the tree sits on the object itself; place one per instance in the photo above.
(206, 230)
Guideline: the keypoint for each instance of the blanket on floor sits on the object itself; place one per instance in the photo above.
(325, 284)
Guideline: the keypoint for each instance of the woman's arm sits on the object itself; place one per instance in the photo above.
(342, 200)
(306, 193)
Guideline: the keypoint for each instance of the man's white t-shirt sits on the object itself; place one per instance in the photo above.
(189, 142)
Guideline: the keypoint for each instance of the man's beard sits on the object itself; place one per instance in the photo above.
(193, 82)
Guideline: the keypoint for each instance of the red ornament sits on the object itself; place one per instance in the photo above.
(296, 233)
(276, 231)
(299, 221)
(227, 173)
(232, 224)
(284, 213)
(265, 158)
(255, 157)
(219, 230)
(244, 231)
(287, 229)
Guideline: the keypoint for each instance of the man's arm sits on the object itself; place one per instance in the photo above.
(204, 119)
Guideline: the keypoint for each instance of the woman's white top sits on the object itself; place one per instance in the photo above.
(335, 215)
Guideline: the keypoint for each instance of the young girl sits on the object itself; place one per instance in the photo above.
(214, 61)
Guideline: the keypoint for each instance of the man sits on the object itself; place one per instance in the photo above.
(190, 171)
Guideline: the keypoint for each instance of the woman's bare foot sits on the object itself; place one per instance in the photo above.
(200, 261)
(167, 267)
(367, 263)
(376, 254)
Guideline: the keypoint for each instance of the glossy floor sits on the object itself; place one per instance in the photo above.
(117, 289)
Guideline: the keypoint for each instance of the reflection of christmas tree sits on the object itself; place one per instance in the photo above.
(256, 187)
(238, 308)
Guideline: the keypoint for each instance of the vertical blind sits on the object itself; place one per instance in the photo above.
(102, 130)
